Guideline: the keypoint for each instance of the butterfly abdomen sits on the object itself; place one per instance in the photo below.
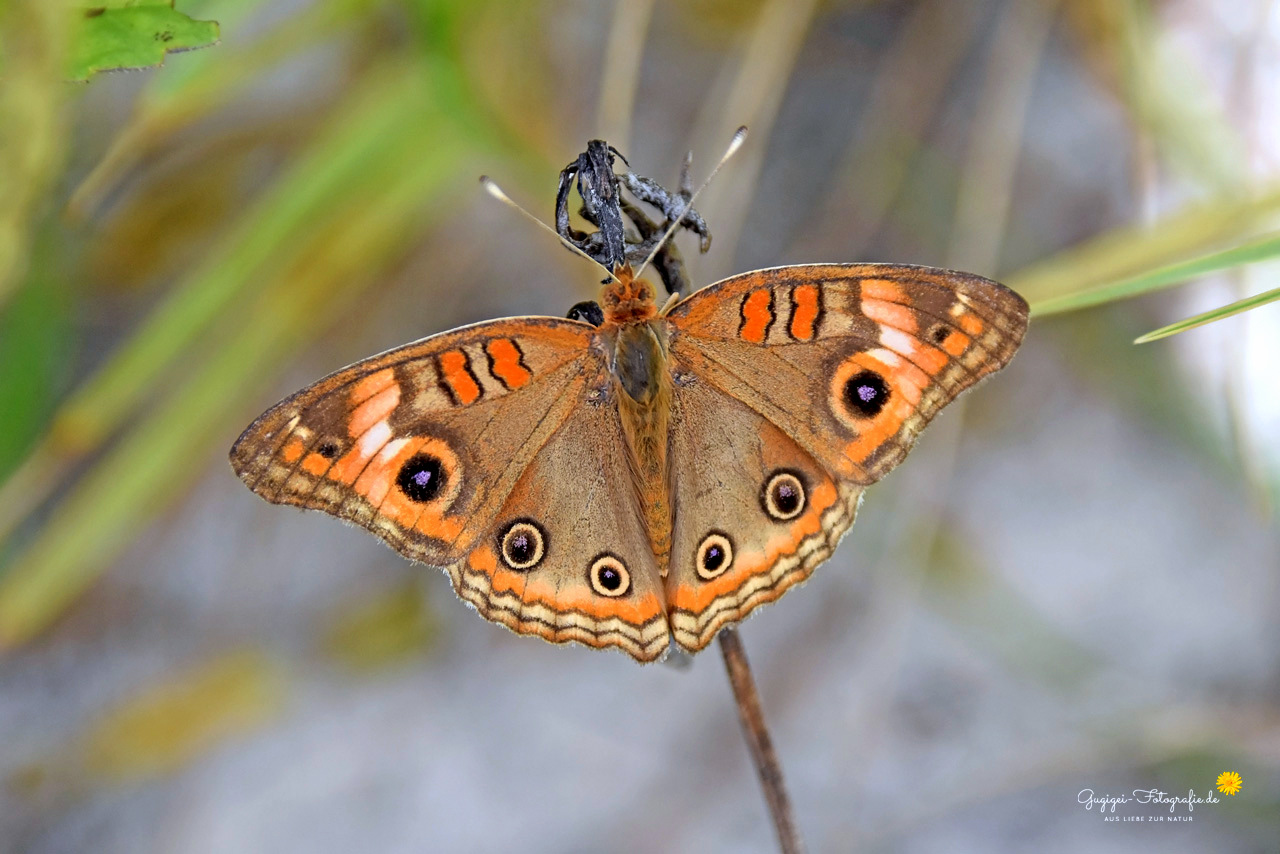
(643, 382)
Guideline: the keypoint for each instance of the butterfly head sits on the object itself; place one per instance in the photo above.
(628, 299)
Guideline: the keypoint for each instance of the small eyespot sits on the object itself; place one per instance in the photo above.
(865, 394)
(940, 333)
(783, 496)
(715, 555)
(609, 576)
(328, 450)
(422, 477)
(523, 545)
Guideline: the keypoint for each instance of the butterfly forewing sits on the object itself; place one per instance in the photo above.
(850, 360)
(421, 444)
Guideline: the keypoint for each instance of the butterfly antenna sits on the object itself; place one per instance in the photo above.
(494, 190)
(739, 136)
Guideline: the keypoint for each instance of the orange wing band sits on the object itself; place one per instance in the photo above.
(757, 316)
(804, 316)
(455, 372)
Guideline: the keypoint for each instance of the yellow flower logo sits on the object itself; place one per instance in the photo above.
(1229, 782)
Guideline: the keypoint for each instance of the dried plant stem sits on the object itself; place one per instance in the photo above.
(757, 734)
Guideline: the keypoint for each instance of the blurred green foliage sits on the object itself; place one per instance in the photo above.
(1176, 273)
(164, 725)
(380, 630)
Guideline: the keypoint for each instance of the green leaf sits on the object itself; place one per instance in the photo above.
(134, 34)
(1162, 277)
(1210, 316)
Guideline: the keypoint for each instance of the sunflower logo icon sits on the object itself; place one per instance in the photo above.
(1229, 782)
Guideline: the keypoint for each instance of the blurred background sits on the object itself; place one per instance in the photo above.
(1071, 585)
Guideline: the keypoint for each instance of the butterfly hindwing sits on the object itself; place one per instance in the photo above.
(567, 557)
(754, 513)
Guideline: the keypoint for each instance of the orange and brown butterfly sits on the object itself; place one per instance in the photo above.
(656, 477)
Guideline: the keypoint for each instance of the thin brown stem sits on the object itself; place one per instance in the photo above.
(757, 734)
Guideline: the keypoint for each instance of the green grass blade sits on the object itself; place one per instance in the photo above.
(37, 341)
(1132, 250)
(1162, 277)
(356, 138)
(156, 462)
(33, 124)
(1210, 316)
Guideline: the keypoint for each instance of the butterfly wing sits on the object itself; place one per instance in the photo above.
(824, 375)
(467, 450)
(754, 513)
(567, 557)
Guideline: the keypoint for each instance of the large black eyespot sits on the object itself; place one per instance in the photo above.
(715, 555)
(587, 312)
(523, 545)
(609, 576)
(783, 496)
(422, 477)
(865, 394)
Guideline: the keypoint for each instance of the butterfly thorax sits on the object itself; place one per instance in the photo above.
(628, 299)
(642, 381)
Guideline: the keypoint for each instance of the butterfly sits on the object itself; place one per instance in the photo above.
(655, 476)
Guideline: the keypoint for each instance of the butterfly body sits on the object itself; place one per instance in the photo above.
(642, 388)
(652, 478)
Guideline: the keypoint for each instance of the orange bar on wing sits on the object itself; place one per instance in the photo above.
(884, 289)
(805, 317)
(757, 314)
(455, 367)
(507, 363)
(373, 410)
(929, 359)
